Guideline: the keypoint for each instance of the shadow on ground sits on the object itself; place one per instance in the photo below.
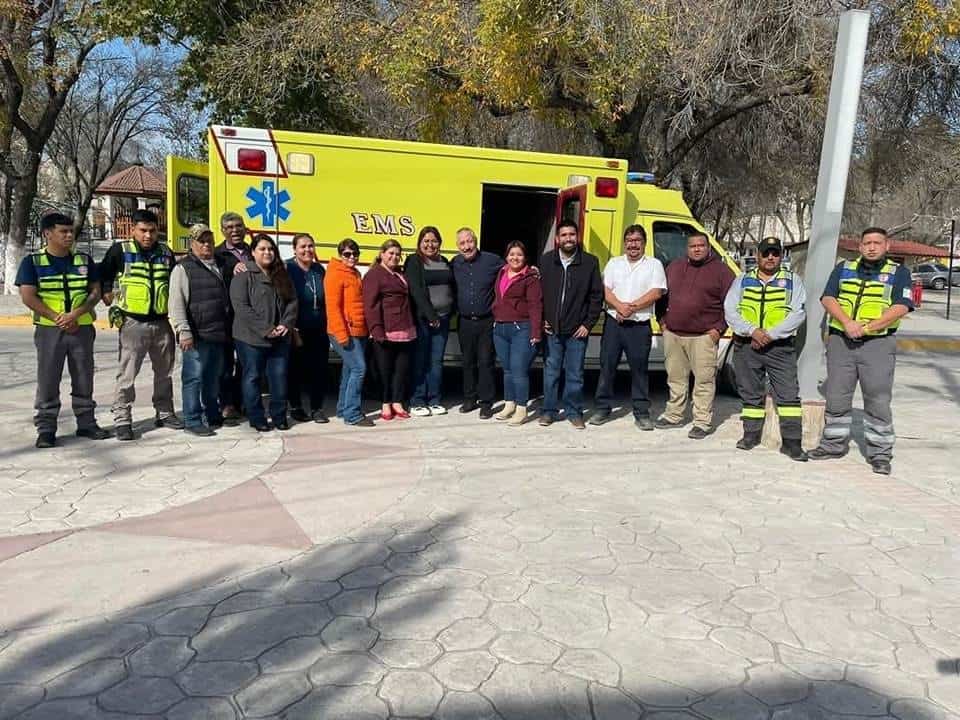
(380, 625)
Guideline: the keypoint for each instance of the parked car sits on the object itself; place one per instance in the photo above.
(933, 275)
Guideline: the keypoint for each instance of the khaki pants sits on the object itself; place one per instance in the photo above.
(139, 339)
(683, 355)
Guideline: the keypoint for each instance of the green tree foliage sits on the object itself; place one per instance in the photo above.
(706, 93)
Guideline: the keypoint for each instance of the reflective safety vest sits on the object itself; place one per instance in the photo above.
(865, 300)
(765, 304)
(62, 291)
(144, 284)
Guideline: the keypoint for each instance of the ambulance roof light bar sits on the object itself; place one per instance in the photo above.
(641, 177)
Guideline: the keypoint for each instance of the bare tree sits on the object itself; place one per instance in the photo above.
(119, 100)
(43, 47)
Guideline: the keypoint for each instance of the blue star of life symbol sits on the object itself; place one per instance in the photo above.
(268, 203)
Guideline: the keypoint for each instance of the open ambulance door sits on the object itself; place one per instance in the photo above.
(571, 205)
(188, 200)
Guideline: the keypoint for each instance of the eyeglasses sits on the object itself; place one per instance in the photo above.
(349, 254)
(770, 251)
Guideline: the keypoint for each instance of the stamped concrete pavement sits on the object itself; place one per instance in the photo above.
(455, 569)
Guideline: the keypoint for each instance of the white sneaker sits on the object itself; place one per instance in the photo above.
(420, 411)
(438, 410)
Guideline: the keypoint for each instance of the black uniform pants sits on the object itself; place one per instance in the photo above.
(777, 363)
(476, 347)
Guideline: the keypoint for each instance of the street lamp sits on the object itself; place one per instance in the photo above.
(953, 242)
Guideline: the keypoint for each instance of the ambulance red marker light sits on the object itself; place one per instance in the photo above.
(607, 187)
(252, 160)
(228, 132)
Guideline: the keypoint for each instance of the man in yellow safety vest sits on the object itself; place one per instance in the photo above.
(60, 287)
(865, 299)
(765, 308)
(140, 269)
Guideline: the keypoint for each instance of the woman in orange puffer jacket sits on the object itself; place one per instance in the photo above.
(347, 329)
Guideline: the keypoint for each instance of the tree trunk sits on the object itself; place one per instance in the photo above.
(83, 207)
(16, 238)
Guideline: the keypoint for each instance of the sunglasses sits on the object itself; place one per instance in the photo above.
(349, 254)
(769, 252)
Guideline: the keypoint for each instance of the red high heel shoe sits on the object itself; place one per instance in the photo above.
(386, 416)
(402, 414)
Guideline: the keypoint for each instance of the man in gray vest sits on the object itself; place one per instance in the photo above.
(199, 313)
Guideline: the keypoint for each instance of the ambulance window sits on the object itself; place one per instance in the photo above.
(571, 210)
(670, 240)
(193, 200)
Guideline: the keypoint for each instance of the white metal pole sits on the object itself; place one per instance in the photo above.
(828, 204)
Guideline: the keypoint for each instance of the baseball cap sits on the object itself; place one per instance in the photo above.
(770, 243)
(199, 230)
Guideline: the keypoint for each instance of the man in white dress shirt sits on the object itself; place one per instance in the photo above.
(632, 284)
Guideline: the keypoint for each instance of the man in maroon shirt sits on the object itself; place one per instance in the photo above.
(691, 316)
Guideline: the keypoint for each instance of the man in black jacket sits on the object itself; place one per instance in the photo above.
(572, 301)
(231, 256)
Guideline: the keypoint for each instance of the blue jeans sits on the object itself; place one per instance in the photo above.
(563, 354)
(428, 362)
(258, 362)
(515, 353)
(200, 377)
(350, 399)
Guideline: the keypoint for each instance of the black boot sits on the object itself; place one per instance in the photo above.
(792, 449)
(749, 441)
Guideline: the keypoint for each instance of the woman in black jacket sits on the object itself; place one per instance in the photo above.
(433, 293)
(265, 310)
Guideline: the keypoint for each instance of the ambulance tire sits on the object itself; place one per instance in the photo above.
(726, 377)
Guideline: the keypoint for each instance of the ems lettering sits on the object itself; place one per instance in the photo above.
(361, 223)
(384, 225)
(374, 224)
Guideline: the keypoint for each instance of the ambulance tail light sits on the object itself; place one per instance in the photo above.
(251, 160)
(607, 187)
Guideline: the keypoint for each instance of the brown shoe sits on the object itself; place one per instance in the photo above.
(578, 422)
(546, 420)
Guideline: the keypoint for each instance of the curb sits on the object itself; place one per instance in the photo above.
(928, 344)
(906, 344)
(27, 321)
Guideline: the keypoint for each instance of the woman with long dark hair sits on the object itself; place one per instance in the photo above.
(387, 308)
(433, 292)
(265, 311)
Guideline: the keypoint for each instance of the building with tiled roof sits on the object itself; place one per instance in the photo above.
(115, 199)
(907, 252)
(136, 180)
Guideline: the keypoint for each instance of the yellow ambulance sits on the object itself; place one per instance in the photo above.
(332, 186)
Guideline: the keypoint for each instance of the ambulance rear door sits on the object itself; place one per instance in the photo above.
(188, 200)
(571, 205)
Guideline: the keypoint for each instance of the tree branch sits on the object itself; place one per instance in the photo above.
(762, 96)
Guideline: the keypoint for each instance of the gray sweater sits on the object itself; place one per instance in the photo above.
(257, 309)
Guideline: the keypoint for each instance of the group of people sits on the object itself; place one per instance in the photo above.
(243, 318)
